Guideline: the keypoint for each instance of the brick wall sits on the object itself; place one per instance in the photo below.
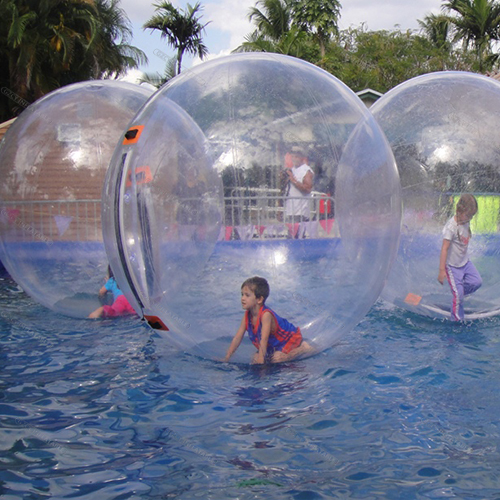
(48, 194)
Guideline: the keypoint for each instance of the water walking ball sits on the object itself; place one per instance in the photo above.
(199, 197)
(53, 160)
(443, 129)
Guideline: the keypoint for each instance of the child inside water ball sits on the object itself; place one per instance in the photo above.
(275, 338)
(454, 263)
(120, 305)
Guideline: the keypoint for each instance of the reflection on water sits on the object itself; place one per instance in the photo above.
(403, 407)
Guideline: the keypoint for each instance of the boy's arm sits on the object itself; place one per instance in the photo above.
(105, 288)
(238, 337)
(442, 261)
(266, 320)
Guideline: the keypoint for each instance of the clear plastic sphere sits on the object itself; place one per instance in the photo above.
(443, 129)
(199, 198)
(53, 161)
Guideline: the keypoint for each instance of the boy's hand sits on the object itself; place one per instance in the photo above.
(441, 276)
(257, 359)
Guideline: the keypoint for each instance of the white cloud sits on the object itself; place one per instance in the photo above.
(138, 11)
(132, 76)
(386, 15)
(231, 17)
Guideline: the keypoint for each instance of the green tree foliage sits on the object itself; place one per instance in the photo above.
(290, 27)
(273, 20)
(45, 44)
(477, 25)
(293, 43)
(157, 79)
(382, 59)
(109, 52)
(274, 30)
(181, 28)
(360, 58)
(318, 18)
(438, 30)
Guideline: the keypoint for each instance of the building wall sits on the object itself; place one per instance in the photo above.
(45, 195)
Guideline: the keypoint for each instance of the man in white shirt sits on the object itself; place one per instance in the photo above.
(299, 187)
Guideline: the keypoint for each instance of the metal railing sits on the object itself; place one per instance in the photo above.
(260, 213)
(255, 213)
(49, 220)
(264, 206)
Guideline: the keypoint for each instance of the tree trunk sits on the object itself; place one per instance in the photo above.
(179, 60)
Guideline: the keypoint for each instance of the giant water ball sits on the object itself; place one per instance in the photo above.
(198, 198)
(443, 128)
(53, 160)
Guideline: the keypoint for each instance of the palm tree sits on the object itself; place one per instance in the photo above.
(437, 29)
(109, 52)
(181, 28)
(477, 24)
(275, 31)
(49, 43)
(288, 27)
(41, 41)
(318, 17)
(158, 79)
(292, 43)
(274, 20)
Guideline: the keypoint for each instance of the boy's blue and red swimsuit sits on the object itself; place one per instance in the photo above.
(286, 337)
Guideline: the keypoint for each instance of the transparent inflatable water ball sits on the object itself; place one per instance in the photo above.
(443, 129)
(200, 197)
(53, 160)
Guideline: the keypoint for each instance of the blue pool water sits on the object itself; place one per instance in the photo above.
(403, 408)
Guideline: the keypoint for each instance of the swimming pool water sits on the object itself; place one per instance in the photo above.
(403, 408)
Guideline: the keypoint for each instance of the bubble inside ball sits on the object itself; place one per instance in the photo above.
(202, 199)
(53, 160)
(443, 128)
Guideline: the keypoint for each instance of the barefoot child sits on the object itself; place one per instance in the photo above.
(275, 338)
(454, 263)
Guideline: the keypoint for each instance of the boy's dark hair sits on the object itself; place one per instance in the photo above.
(467, 204)
(258, 285)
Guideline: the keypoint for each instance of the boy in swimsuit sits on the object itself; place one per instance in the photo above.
(275, 338)
(454, 262)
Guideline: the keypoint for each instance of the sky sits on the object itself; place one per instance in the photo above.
(228, 23)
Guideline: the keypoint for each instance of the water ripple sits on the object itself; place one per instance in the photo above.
(401, 408)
